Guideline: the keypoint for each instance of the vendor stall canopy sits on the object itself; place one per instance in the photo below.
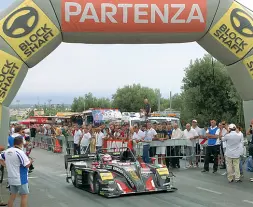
(32, 29)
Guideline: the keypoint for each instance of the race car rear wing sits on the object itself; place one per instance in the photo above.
(78, 158)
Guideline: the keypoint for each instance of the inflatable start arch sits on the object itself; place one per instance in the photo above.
(31, 29)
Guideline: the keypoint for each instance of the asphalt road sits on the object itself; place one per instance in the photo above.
(195, 189)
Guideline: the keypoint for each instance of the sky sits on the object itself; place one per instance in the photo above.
(101, 69)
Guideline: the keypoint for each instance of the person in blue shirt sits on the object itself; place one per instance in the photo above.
(212, 148)
(10, 141)
(249, 161)
(169, 128)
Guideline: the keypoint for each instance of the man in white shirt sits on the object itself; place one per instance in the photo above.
(99, 136)
(191, 135)
(150, 134)
(138, 134)
(17, 164)
(176, 134)
(221, 132)
(85, 142)
(199, 132)
(18, 131)
(77, 139)
(137, 137)
(233, 151)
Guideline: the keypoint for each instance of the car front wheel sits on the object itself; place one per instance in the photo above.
(73, 176)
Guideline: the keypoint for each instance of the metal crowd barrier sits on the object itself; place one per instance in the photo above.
(48, 143)
(175, 148)
(70, 147)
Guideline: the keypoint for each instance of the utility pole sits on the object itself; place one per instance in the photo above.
(159, 100)
(170, 100)
(49, 106)
(84, 103)
(38, 98)
(18, 101)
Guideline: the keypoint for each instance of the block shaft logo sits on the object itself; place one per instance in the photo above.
(27, 29)
(235, 31)
(18, 24)
(9, 70)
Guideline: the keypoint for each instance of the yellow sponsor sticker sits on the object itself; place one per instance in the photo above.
(162, 171)
(248, 62)
(79, 172)
(235, 30)
(10, 67)
(27, 29)
(106, 176)
(134, 175)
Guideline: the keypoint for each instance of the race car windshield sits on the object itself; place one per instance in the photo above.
(127, 156)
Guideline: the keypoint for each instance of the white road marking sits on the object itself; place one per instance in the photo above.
(246, 201)
(208, 190)
(62, 175)
(50, 196)
(28, 178)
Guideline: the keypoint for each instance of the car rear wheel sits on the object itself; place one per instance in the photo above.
(96, 184)
(73, 176)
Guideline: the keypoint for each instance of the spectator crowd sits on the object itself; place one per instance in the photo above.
(220, 143)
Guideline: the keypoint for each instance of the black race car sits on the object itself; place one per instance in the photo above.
(113, 174)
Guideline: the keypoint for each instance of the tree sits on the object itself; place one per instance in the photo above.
(208, 93)
(78, 104)
(13, 118)
(89, 101)
(131, 97)
(31, 113)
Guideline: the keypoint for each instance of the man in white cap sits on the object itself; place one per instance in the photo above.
(233, 151)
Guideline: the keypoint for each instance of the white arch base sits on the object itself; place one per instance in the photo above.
(32, 29)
